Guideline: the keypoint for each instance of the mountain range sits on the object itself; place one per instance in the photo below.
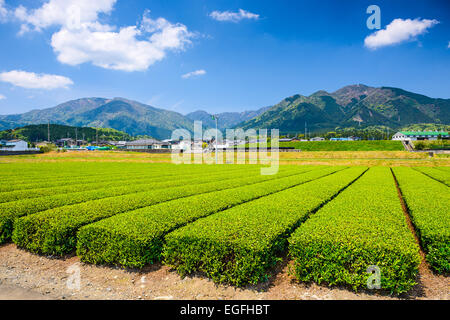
(226, 119)
(121, 114)
(351, 106)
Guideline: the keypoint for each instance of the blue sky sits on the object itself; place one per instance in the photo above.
(185, 55)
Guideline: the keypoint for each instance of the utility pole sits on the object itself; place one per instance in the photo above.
(76, 136)
(48, 131)
(96, 134)
(217, 134)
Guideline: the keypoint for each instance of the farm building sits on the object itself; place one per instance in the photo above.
(65, 142)
(13, 145)
(420, 135)
(144, 144)
(118, 144)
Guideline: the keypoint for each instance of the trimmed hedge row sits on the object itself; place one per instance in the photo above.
(70, 179)
(45, 176)
(436, 174)
(31, 185)
(97, 184)
(364, 226)
(54, 231)
(428, 202)
(40, 175)
(10, 211)
(135, 238)
(239, 245)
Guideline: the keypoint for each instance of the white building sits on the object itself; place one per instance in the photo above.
(317, 139)
(14, 145)
(419, 135)
(146, 144)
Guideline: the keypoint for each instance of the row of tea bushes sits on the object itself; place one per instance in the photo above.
(428, 203)
(364, 226)
(96, 183)
(439, 175)
(43, 182)
(240, 245)
(54, 231)
(10, 211)
(136, 238)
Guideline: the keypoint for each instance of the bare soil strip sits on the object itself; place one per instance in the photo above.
(24, 275)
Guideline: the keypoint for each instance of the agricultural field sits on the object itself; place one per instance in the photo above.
(315, 224)
(381, 145)
(345, 158)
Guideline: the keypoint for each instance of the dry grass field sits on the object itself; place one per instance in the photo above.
(347, 158)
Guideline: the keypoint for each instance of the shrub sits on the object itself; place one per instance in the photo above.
(428, 202)
(135, 238)
(365, 225)
(54, 231)
(239, 245)
(436, 174)
(47, 148)
(11, 210)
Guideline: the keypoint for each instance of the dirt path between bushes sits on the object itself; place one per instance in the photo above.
(28, 276)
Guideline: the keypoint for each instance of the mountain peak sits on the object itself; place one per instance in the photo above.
(353, 87)
(320, 93)
(347, 94)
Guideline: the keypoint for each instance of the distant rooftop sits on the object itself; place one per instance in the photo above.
(143, 142)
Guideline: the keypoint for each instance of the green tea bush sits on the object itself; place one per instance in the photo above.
(10, 211)
(54, 231)
(428, 203)
(68, 185)
(364, 226)
(240, 245)
(136, 238)
(31, 183)
(436, 174)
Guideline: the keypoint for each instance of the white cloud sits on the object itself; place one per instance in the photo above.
(166, 35)
(67, 13)
(194, 74)
(233, 16)
(2, 97)
(82, 38)
(398, 31)
(31, 80)
(3, 11)
(107, 49)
